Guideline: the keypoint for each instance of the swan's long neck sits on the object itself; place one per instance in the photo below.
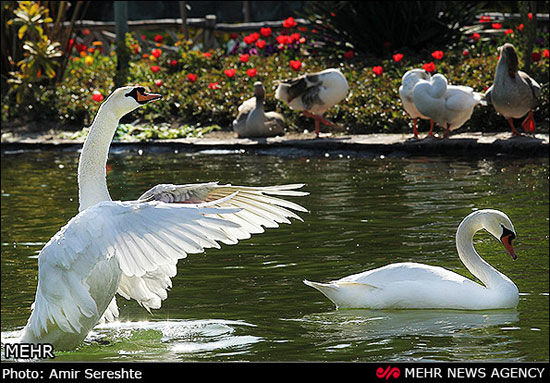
(487, 274)
(92, 182)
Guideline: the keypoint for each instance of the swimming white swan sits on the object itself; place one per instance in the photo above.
(513, 93)
(417, 286)
(133, 247)
(409, 80)
(253, 121)
(314, 94)
(449, 106)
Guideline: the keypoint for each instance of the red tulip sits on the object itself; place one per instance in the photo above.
(465, 52)
(520, 27)
(265, 31)
(234, 36)
(289, 23)
(530, 16)
(294, 37)
(244, 57)
(438, 55)
(349, 55)
(377, 70)
(158, 39)
(206, 54)
(213, 85)
(260, 44)
(397, 57)
(229, 72)
(545, 53)
(429, 67)
(158, 82)
(173, 62)
(86, 32)
(535, 56)
(251, 38)
(97, 96)
(295, 64)
(155, 68)
(156, 52)
(283, 39)
(475, 37)
(251, 72)
(192, 77)
(508, 31)
(496, 25)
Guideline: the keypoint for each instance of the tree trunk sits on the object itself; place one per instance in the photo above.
(122, 52)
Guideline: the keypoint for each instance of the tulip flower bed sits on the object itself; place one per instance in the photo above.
(204, 89)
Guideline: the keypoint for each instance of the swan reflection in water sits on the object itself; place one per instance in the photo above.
(388, 329)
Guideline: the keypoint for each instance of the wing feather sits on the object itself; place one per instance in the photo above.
(135, 246)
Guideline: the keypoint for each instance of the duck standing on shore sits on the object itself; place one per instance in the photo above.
(314, 94)
(513, 93)
(449, 106)
(408, 82)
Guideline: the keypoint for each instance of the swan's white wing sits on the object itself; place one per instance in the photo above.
(253, 208)
(135, 243)
(258, 204)
(63, 298)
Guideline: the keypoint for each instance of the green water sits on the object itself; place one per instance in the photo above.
(248, 302)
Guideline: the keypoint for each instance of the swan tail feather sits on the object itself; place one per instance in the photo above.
(342, 294)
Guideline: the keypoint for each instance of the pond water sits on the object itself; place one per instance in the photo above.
(247, 302)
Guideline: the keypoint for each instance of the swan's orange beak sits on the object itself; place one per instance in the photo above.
(146, 97)
(507, 242)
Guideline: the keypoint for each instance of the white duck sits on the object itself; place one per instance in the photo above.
(449, 106)
(418, 286)
(133, 247)
(314, 94)
(409, 80)
(253, 121)
(513, 93)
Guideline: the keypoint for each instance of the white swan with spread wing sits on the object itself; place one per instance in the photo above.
(417, 286)
(132, 247)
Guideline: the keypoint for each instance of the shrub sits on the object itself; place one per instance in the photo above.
(204, 89)
(378, 27)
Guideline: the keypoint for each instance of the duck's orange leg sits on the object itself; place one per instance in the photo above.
(430, 133)
(415, 131)
(511, 123)
(318, 120)
(529, 123)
